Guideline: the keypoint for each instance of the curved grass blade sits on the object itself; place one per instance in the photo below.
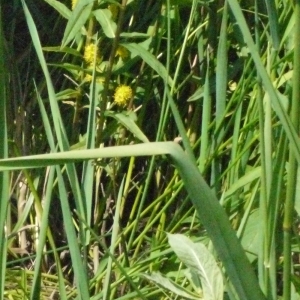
(211, 214)
(276, 103)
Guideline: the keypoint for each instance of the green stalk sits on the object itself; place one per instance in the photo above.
(293, 164)
(209, 210)
(103, 102)
(263, 206)
(4, 177)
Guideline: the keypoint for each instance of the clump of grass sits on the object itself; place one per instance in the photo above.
(214, 78)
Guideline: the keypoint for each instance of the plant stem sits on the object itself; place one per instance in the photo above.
(293, 164)
(103, 102)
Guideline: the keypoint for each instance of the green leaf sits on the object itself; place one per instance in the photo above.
(168, 284)
(134, 35)
(77, 19)
(250, 237)
(4, 177)
(109, 27)
(150, 59)
(129, 123)
(62, 50)
(211, 214)
(60, 7)
(201, 261)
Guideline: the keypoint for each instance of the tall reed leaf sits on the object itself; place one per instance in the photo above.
(60, 131)
(293, 164)
(4, 176)
(273, 21)
(277, 105)
(211, 214)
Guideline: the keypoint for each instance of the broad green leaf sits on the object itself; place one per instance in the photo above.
(168, 284)
(77, 19)
(197, 257)
(109, 27)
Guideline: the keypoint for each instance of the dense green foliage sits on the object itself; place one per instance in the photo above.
(82, 82)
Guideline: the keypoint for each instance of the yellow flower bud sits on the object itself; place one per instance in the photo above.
(122, 52)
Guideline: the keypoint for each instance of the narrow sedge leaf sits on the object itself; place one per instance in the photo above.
(67, 50)
(60, 7)
(88, 166)
(109, 27)
(197, 257)
(273, 21)
(168, 284)
(249, 177)
(77, 20)
(277, 106)
(127, 122)
(150, 59)
(4, 176)
(114, 236)
(221, 74)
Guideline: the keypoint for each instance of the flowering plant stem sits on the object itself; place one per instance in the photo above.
(103, 101)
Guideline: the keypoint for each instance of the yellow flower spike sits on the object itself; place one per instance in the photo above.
(89, 53)
(122, 52)
(74, 2)
(123, 94)
(89, 77)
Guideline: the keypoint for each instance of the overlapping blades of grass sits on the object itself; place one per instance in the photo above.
(209, 210)
(267, 83)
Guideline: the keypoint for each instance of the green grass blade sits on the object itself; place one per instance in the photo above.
(77, 20)
(221, 73)
(80, 272)
(57, 119)
(88, 166)
(273, 21)
(114, 236)
(293, 165)
(211, 214)
(4, 176)
(79, 269)
(277, 105)
(150, 59)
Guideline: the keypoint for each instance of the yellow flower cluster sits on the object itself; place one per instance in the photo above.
(89, 77)
(74, 2)
(123, 94)
(89, 53)
(122, 52)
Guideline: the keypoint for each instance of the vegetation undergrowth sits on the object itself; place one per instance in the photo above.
(149, 149)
